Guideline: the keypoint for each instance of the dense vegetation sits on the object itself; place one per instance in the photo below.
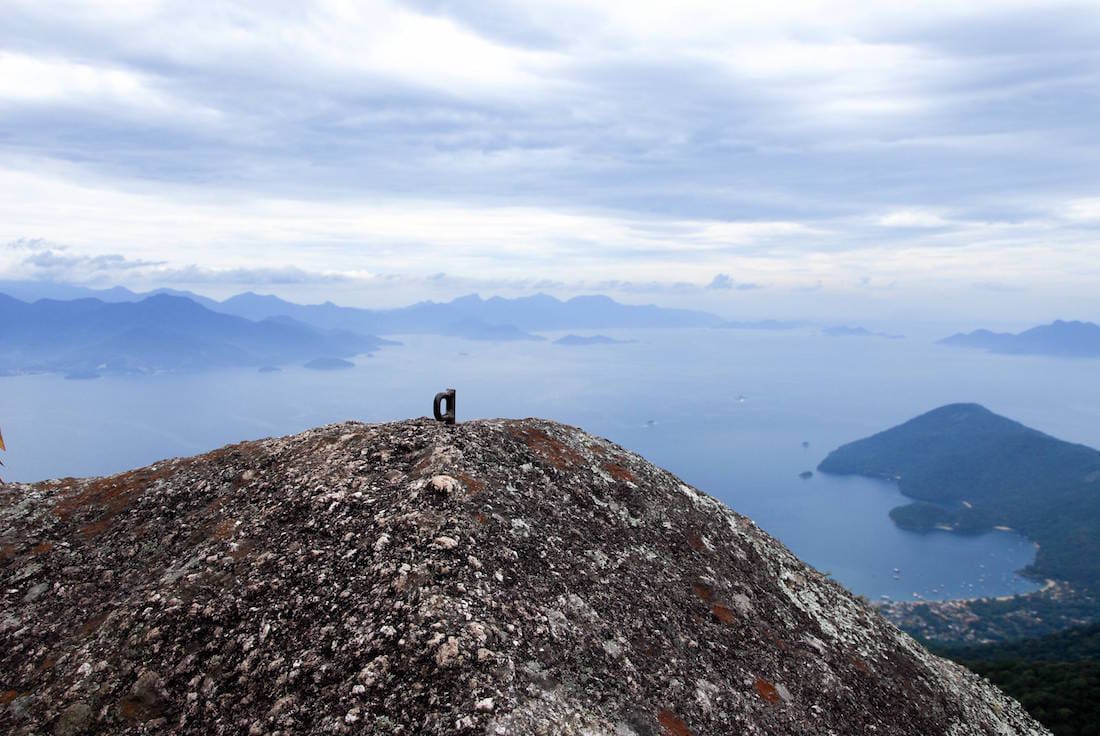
(1056, 677)
(1079, 644)
(979, 470)
(922, 516)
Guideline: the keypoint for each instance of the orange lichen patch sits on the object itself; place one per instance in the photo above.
(619, 473)
(671, 724)
(7, 696)
(46, 664)
(7, 551)
(97, 527)
(704, 591)
(92, 624)
(767, 691)
(553, 451)
(62, 484)
(596, 449)
(480, 518)
(130, 709)
(41, 548)
(224, 530)
(473, 485)
(133, 708)
(860, 665)
(695, 541)
(112, 494)
(723, 613)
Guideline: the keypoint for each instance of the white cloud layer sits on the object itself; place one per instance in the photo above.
(796, 145)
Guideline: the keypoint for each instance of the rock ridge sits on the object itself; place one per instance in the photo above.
(495, 577)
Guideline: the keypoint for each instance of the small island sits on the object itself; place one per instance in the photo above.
(846, 331)
(581, 340)
(329, 364)
(806, 474)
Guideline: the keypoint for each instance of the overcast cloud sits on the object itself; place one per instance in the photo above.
(769, 152)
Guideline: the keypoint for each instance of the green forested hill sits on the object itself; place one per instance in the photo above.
(1079, 644)
(970, 470)
(1056, 677)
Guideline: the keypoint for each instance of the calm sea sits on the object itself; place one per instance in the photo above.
(728, 411)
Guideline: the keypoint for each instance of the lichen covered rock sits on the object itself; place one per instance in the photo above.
(494, 577)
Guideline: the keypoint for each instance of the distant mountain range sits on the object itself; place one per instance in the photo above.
(472, 316)
(971, 470)
(496, 319)
(32, 291)
(1063, 339)
(85, 337)
(84, 332)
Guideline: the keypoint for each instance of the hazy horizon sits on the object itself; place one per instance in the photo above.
(931, 325)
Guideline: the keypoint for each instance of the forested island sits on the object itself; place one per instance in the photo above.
(970, 470)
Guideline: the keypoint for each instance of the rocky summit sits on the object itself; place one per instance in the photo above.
(494, 577)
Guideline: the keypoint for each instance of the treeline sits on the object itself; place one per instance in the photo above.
(1056, 677)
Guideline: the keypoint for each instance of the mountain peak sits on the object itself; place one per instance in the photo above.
(963, 407)
(501, 577)
(181, 302)
(252, 296)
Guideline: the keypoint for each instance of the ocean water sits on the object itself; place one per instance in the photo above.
(728, 411)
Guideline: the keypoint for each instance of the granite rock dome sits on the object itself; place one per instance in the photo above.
(494, 577)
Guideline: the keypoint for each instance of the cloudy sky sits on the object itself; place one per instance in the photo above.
(761, 159)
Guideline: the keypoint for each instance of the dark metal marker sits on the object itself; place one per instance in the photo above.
(447, 396)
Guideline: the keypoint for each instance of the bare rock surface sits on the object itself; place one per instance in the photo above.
(495, 577)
